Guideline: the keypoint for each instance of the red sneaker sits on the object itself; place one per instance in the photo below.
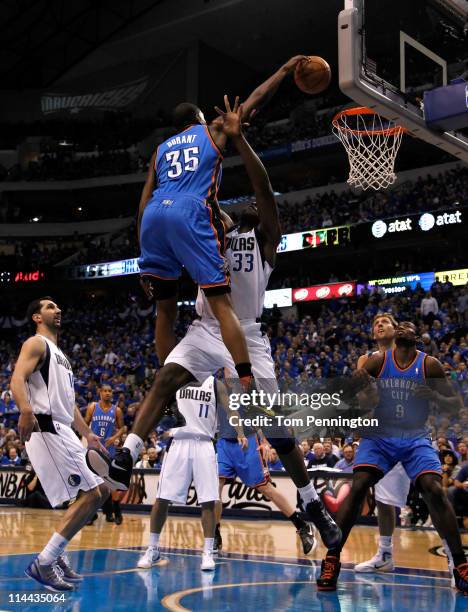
(329, 576)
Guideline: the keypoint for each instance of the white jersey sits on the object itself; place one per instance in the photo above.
(50, 388)
(249, 276)
(197, 403)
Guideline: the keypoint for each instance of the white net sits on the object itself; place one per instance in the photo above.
(372, 144)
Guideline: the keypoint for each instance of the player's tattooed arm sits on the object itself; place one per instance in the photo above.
(30, 358)
(437, 388)
(363, 378)
(147, 191)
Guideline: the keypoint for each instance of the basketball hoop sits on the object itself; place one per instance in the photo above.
(372, 144)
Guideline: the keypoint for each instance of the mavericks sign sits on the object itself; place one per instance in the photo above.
(105, 100)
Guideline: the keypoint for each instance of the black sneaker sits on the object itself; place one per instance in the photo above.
(328, 529)
(218, 541)
(329, 575)
(306, 534)
(116, 472)
(118, 519)
(109, 518)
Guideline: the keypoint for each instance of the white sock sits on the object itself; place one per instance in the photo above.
(53, 549)
(448, 553)
(154, 540)
(134, 443)
(385, 543)
(308, 493)
(209, 544)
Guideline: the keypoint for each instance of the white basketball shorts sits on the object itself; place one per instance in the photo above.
(59, 462)
(394, 487)
(189, 460)
(202, 352)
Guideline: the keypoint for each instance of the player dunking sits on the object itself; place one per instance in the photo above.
(190, 456)
(392, 491)
(179, 222)
(401, 402)
(107, 422)
(42, 385)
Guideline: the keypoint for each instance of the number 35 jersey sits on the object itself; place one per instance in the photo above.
(197, 403)
(250, 273)
(51, 387)
(189, 163)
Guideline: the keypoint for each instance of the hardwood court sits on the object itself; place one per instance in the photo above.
(262, 565)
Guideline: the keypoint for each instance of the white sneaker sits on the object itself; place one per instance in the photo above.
(381, 562)
(150, 558)
(208, 563)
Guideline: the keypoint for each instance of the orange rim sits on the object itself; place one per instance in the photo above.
(364, 110)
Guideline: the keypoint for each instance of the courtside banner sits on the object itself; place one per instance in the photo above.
(399, 284)
(324, 292)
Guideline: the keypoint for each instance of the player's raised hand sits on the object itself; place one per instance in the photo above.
(232, 117)
(291, 64)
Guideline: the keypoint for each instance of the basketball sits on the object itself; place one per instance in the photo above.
(313, 75)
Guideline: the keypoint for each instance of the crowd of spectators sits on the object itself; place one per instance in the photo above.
(441, 192)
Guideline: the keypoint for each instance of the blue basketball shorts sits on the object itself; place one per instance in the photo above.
(181, 231)
(416, 455)
(247, 464)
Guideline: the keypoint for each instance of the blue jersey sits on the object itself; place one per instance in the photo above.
(103, 423)
(401, 414)
(189, 163)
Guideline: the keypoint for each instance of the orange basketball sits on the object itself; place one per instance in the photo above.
(313, 75)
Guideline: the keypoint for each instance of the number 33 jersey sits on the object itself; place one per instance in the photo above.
(197, 403)
(189, 163)
(250, 273)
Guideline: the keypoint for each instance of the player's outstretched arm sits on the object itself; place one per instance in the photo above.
(31, 355)
(147, 191)
(258, 98)
(264, 92)
(266, 204)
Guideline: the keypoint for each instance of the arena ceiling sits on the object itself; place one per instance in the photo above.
(46, 41)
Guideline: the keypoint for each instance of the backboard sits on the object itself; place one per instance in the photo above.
(391, 51)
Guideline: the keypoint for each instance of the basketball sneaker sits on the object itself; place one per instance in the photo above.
(328, 529)
(116, 472)
(49, 576)
(218, 541)
(149, 558)
(68, 573)
(306, 534)
(381, 562)
(329, 574)
(461, 578)
(208, 563)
